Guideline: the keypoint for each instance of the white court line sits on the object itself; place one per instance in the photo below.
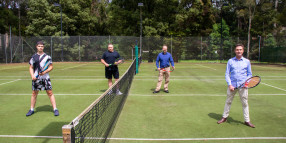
(206, 67)
(13, 68)
(60, 79)
(153, 139)
(154, 79)
(182, 95)
(139, 76)
(192, 139)
(273, 86)
(46, 94)
(10, 81)
(25, 136)
(73, 67)
(57, 76)
(130, 94)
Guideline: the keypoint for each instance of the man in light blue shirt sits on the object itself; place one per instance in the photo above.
(164, 58)
(238, 70)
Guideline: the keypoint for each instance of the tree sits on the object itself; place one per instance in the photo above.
(215, 39)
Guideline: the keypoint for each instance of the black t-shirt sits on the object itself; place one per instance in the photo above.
(110, 57)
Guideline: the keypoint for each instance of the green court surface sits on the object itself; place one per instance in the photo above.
(187, 114)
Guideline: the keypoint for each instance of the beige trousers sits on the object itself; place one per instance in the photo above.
(243, 94)
(163, 73)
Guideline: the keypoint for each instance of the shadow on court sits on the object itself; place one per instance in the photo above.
(44, 108)
(153, 89)
(54, 129)
(218, 117)
(103, 90)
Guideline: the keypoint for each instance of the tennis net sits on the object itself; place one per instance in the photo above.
(96, 123)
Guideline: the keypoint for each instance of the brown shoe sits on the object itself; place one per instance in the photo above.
(222, 120)
(249, 124)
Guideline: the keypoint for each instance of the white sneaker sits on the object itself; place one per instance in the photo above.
(118, 92)
(110, 92)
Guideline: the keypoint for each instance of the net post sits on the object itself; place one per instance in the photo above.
(68, 135)
(136, 55)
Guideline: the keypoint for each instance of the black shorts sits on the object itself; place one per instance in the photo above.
(42, 84)
(111, 71)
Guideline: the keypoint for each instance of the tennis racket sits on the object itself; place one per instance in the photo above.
(163, 69)
(117, 62)
(45, 67)
(250, 83)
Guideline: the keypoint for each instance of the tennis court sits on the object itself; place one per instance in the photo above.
(187, 114)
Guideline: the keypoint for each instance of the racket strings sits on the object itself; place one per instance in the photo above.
(253, 82)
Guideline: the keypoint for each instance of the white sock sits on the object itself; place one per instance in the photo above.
(55, 109)
(32, 109)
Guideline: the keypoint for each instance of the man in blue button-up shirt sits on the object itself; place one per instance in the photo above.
(164, 58)
(238, 70)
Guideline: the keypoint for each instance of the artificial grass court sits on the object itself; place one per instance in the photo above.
(190, 111)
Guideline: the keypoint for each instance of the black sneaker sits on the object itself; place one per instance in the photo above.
(56, 112)
(30, 113)
(156, 91)
(167, 91)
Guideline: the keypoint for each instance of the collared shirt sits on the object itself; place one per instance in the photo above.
(164, 60)
(237, 71)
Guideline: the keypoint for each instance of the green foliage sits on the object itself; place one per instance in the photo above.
(160, 17)
(270, 41)
(7, 19)
(215, 41)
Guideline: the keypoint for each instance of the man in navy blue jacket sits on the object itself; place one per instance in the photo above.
(164, 58)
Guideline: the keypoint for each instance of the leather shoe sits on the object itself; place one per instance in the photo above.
(167, 91)
(249, 124)
(156, 91)
(222, 120)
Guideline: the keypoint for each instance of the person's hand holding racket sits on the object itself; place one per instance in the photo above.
(34, 78)
(44, 69)
(231, 88)
(163, 69)
(117, 62)
(250, 83)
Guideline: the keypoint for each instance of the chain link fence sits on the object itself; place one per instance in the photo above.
(14, 49)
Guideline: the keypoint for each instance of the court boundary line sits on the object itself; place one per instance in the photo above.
(206, 67)
(273, 86)
(177, 95)
(205, 95)
(13, 68)
(73, 67)
(139, 76)
(153, 139)
(23, 94)
(144, 79)
(9, 82)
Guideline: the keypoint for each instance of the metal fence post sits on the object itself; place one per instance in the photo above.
(23, 60)
(10, 45)
(79, 48)
(5, 44)
(201, 48)
(52, 47)
(171, 45)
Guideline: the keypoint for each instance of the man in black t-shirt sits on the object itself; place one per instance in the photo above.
(111, 69)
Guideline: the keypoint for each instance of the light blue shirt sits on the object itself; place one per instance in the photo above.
(237, 71)
(164, 60)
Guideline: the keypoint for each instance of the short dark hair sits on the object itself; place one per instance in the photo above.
(239, 44)
(40, 43)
